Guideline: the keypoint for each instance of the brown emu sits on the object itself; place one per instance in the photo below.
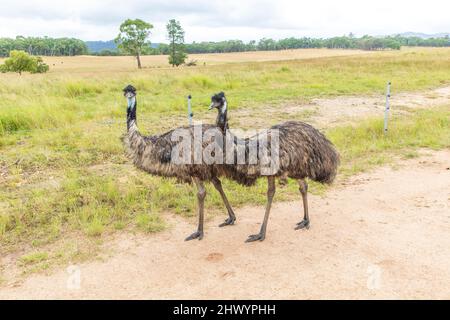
(153, 154)
(303, 152)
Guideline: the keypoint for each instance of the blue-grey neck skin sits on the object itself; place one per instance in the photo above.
(131, 112)
(131, 101)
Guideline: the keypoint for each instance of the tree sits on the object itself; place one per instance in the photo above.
(267, 44)
(43, 46)
(133, 38)
(177, 50)
(20, 61)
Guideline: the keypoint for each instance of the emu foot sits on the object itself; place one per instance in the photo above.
(302, 224)
(228, 221)
(196, 235)
(254, 237)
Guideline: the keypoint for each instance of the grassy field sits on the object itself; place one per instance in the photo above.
(125, 64)
(62, 167)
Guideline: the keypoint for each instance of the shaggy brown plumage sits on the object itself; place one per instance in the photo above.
(304, 152)
(153, 154)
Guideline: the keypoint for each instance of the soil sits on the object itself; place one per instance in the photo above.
(383, 234)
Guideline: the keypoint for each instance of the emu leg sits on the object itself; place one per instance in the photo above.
(201, 194)
(303, 187)
(270, 193)
(231, 217)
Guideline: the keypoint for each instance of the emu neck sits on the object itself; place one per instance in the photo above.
(222, 119)
(134, 135)
(131, 115)
(134, 141)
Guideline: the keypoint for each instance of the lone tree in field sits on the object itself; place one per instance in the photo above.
(20, 61)
(133, 37)
(177, 50)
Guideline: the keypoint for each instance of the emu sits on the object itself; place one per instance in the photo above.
(153, 154)
(303, 153)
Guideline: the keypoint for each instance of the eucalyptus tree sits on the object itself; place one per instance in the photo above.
(177, 50)
(133, 38)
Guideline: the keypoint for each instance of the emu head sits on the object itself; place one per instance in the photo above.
(218, 101)
(130, 93)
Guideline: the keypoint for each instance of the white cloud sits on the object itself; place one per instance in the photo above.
(219, 20)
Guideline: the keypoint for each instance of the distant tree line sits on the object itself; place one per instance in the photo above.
(344, 42)
(109, 52)
(43, 46)
(68, 46)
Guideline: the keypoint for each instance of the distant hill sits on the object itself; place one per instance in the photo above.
(424, 35)
(97, 46)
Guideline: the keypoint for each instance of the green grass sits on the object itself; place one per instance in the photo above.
(67, 251)
(57, 99)
(64, 169)
(33, 258)
(365, 145)
(150, 222)
(106, 200)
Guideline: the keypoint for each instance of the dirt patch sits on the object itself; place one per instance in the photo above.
(214, 257)
(383, 234)
(324, 113)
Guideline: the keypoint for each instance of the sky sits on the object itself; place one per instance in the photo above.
(211, 20)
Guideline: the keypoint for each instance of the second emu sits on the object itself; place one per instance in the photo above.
(303, 153)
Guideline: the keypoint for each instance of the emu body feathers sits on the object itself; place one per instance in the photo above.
(303, 152)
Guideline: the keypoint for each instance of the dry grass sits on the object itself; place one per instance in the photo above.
(260, 56)
(127, 63)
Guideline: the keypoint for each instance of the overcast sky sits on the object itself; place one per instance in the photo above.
(211, 20)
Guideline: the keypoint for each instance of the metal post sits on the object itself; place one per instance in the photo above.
(190, 114)
(386, 111)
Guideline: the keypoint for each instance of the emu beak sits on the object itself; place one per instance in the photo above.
(211, 106)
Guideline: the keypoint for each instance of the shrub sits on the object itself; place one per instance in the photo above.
(41, 66)
(20, 61)
(191, 63)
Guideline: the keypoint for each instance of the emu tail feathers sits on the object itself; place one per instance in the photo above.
(325, 170)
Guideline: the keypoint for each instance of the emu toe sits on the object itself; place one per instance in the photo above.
(255, 237)
(196, 235)
(229, 221)
(302, 224)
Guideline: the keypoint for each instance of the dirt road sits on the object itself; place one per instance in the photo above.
(383, 234)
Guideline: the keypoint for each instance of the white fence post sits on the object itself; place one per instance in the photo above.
(190, 114)
(386, 111)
